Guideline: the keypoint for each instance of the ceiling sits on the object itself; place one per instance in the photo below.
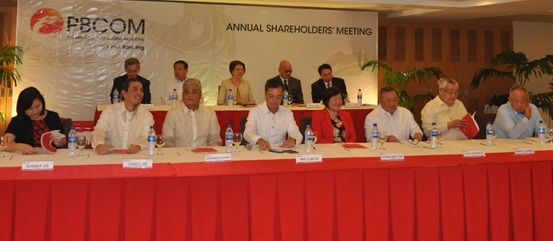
(520, 10)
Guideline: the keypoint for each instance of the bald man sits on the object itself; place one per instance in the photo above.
(291, 84)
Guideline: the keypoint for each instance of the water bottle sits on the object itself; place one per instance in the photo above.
(174, 98)
(541, 132)
(151, 141)
(285, 99)
(72, 141)
(374, 137)
(434, 136)
(489, 134)
(308, 138)
(360, 97)
(230, 97)
(228, 138)
(115, 96)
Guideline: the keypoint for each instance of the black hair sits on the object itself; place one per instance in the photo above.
(233, 64)
(329, 93)
(273, 83)
(26, 99)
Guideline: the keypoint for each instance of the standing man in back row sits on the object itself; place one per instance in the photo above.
(325, 82)
(291, 84)
(132, 68)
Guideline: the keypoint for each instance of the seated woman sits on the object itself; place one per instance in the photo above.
(241, 88)
(331, 124)
(32, 120)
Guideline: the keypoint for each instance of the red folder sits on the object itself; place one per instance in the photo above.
(472, 127)
(47, 140)
(204, 150)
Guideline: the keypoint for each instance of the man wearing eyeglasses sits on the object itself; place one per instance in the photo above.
(291, 84)
(446, 111)
(517, 118)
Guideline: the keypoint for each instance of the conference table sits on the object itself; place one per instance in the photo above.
(354, 193)
(232, 115)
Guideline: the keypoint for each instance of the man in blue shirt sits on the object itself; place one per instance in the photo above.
(517, 118)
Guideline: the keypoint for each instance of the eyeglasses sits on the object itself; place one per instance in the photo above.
(451, 92)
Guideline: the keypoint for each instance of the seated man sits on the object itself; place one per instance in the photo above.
(291, 84)
(446, 111)
(191, 124)
(132, 68)
(326, 81)
(180, 70)
(397, 121)
(268, 123)
(517, 118)
(125, 124)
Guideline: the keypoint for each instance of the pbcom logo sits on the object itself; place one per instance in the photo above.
(46, 21)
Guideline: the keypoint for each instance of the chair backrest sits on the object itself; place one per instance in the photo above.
(243, 121)
(67, 123)
(304, 121)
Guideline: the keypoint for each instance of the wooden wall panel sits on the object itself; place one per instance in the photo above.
(458, 48)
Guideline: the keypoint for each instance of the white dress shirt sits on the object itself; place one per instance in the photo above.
(401, 124)
(438, 111)
(262, 123)
(511, 124)
(119, 128)
(186, 128)
(168, 91)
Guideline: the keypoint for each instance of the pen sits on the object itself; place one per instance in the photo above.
(11, 157)
(178, 154)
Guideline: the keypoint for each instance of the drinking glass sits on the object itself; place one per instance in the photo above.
(160, 143)
(237, 139)
(3, 146)
(550, 136)
(440, 137)
(81, 143)
(314, 139)
(382, 136)
(234, 102)
(290, 100)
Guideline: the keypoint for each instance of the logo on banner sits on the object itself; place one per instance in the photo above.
(46, 21)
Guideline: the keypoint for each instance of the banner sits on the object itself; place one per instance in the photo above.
(74, 49)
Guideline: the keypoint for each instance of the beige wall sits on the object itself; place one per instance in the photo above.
(534, 39)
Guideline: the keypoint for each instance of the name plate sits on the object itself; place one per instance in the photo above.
(137, 163)
(474, 153)
(219, 157)
(309, 158)
(37, 165)
(148, 106)
(392, 156)
(524, 151)
(314, 105)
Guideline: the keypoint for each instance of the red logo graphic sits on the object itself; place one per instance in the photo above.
(46, 21)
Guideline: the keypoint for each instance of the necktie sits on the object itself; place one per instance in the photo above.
(327, 85)
(286, 84)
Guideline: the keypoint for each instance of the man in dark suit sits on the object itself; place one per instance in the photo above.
(326, 80)
(132, 68)
(291, 84)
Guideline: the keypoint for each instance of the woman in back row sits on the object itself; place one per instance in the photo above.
(241, 88)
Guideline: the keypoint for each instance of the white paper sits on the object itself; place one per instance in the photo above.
(137, 163)
(316, 158)
(219, 157)
(37, 165)
(392, 156)
(474, 153)
(524, 151)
